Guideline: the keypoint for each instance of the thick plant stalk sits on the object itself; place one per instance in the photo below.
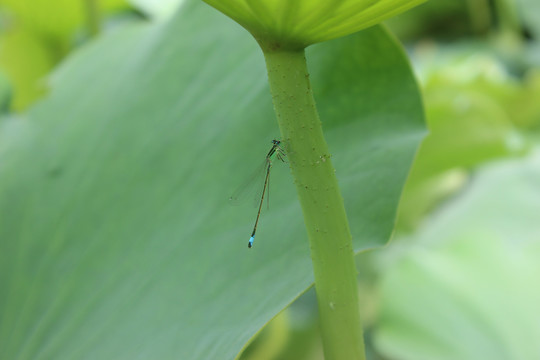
(322, 204)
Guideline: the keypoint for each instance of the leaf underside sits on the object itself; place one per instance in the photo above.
(118, 241)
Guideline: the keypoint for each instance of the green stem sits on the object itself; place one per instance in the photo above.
(322, 205)
(93, 17)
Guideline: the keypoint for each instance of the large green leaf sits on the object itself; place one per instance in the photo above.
(118, 241)
(469, 289)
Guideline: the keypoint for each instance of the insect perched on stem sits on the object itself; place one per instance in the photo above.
(276, 151)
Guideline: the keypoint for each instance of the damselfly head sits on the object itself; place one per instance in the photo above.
(276, 142)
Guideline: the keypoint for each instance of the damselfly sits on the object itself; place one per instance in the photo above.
(276, 151)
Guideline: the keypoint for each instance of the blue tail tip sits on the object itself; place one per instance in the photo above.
(250, 243)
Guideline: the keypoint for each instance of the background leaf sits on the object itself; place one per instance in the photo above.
(529, 10)
(35, 35)
(67, 15)
(476, 113)
(26, 60)
(117, 239)
(467, 290)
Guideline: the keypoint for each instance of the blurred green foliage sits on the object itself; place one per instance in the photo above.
(36, 34)
(464, 287)
(476, 112)
(460, 283)
(442, 19)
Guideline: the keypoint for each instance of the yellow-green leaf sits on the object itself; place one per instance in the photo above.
(300, 23)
